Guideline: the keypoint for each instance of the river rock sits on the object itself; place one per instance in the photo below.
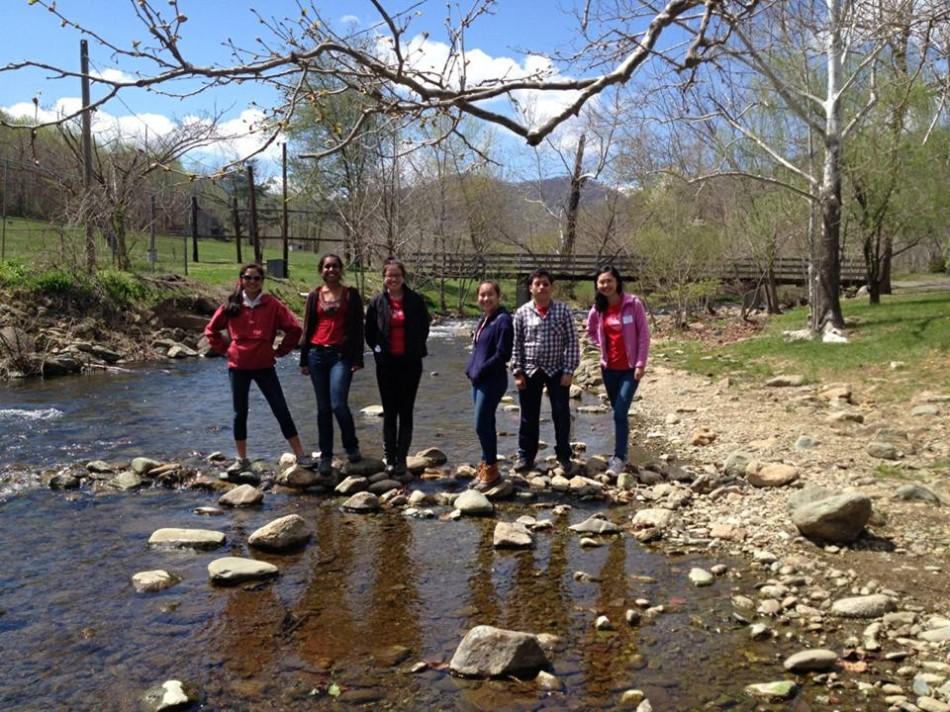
(814, 660)
(702, 436)
(169, 696)
(297, 477)
(474, 504)
(187, 538)
(925, 410)
(916, 493)
(62, 480)
(839, 519)
(871, 606)
(362, 503)
(494, 652)
(352, 485)
(936, 635)
(700, 577)
(235, 569)
(144, 465)
(126, 481)
(780, 690)
(241, 496)
(657, 518)
(99, 466)
(883, 450)
(774, 474)
(512, 535)
(289, 532)
(785, 381)
(595, 524)
(806, 442)
(433, 456)
(372, 411)
(807, 495)
(836, 393)
(153, 581)
(383, 486)
(736, 462)
(367, 467)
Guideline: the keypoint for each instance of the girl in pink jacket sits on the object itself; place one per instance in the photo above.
(617, 323)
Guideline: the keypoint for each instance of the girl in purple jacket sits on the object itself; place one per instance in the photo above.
(617, 323)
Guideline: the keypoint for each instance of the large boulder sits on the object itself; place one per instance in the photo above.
(840, 518)
(290, 532)
(486, 651)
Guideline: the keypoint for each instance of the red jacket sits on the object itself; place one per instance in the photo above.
(252, 334)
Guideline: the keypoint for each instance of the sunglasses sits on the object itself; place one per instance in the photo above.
(251, 277)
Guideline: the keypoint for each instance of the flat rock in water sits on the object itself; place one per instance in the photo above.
(352, 485)
(289, 532)
(474, 504)
(383, 486)
(775, 474)
(144, 465)
(814, 660)
(100, 466)
(153, 581)
(187, 538)
(780, 690)
(433, 456)
(126, 481)
(872, 606)
(241, 496)
(701, 577)
(503, 490)
(235, 569)
(486, 651)
(596, 524)
(839, 519)
(512, 535)
(170, 695)
(366, 467)
(362, 503)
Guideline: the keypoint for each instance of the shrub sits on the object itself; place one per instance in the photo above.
(57, 281)
(120, 287)
(12, 273)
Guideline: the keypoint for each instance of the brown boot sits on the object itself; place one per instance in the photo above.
(479, 476)
(490, 477)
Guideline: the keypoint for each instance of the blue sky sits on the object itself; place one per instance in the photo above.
(35, 33)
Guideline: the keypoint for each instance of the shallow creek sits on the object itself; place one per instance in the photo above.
(356, 609)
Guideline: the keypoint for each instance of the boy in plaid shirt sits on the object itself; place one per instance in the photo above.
(545, 355)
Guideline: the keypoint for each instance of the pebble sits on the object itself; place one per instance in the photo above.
(153, 581)
(814, 660)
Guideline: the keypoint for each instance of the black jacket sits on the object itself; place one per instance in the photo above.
(492, 351)
(352, 347)
(417, 324)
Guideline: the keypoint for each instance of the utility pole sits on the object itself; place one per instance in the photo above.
(236, 219)
(3, 213)
(194, 228)
(252, 198)
(283, 224)
(87, 153)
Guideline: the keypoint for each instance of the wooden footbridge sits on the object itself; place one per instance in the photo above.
(576, 268)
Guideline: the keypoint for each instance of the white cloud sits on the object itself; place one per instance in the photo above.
(349, 20)
(113, 75)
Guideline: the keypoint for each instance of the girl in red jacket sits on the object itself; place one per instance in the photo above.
(252, 320)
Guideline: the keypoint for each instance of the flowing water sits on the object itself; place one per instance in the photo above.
(352, 612)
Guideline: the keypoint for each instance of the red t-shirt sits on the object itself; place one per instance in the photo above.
(614, 347)
(397, 327)
(330, 325)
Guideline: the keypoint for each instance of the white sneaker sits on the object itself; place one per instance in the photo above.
(615, 465)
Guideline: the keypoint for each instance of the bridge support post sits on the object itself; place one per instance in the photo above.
(522, 295)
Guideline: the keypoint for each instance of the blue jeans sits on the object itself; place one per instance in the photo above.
(621, 386)
(486, 397)
(331, 375)
(266, 379)
(530, 401)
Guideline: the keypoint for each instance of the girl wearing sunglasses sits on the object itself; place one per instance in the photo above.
(252, 320)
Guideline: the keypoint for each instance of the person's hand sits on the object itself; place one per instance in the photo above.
(304, 371)
(521, 382)
(567, 379)
(638, 372)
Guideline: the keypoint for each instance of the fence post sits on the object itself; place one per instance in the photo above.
(283, 223)
(252, 198)
(194, 228)
(152, 252)
(3, 213)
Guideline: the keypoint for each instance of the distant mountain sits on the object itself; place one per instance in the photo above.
(553, 192)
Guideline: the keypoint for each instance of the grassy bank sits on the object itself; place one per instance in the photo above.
(912, 332)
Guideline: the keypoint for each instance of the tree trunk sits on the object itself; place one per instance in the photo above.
(574, 200)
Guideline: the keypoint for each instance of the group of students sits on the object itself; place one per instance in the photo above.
(539, 344)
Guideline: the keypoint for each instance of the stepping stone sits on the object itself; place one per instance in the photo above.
(235, 569)
(187, 538)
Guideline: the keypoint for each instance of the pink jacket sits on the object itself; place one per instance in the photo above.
(636, 332)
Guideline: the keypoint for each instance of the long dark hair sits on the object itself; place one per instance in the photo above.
(236, 298)
(600, 301)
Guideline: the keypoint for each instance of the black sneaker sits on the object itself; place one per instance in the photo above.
(240, 464)
(567, 466)
(325, 467)
(354, 455)
(523, 464)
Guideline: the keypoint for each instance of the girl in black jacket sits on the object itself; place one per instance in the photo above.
(397, 327)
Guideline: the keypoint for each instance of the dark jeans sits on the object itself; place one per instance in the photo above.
(331, 375)
(530, 400)
(266, 380)
(621, 387)
(487, 396)
(398, 380)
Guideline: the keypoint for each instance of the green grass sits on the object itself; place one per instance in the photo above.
(913, 329)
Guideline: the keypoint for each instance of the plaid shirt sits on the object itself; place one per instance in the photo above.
(547, 343)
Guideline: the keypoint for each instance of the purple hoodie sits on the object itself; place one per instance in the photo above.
(636, 332)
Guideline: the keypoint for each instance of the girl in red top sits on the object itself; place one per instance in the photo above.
(252, 320)
(331, 351)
